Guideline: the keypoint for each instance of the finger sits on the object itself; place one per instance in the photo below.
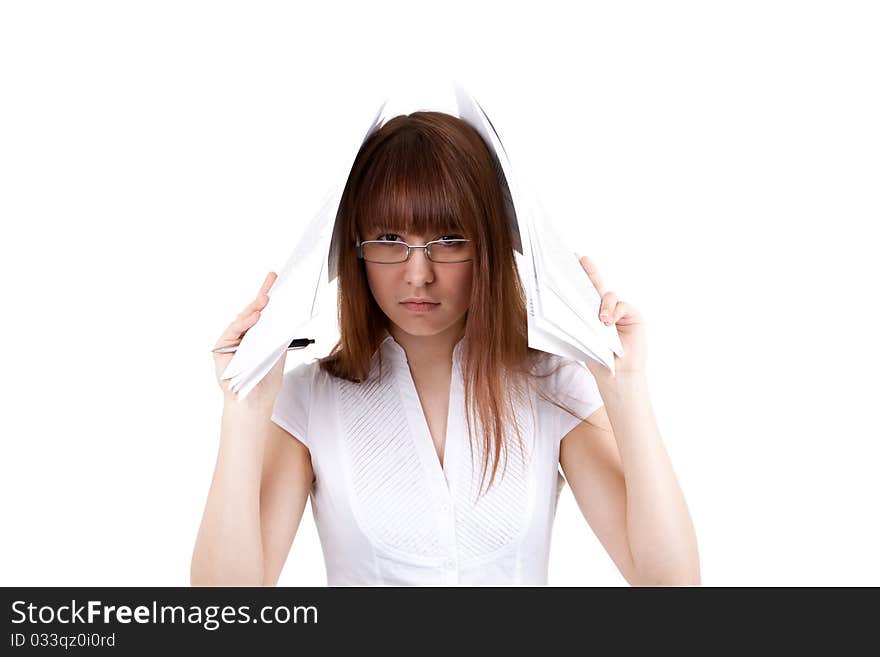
(247, 310)
(593, 273)
(235, 330)
(606, 309)
(262, 296)
(267, 283)
(257, 304)
(249, 315)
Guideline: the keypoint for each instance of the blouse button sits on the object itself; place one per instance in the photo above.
(449, 564)
(444, 507)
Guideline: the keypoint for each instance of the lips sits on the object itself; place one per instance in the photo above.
(415, 300)
(419, 307)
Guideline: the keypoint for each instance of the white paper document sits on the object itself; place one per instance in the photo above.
(563, 305)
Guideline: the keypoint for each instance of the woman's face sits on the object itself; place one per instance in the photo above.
(447, 283)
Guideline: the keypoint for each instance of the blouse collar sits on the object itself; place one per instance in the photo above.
(389, 345)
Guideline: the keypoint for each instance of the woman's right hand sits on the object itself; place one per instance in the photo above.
(264, 393)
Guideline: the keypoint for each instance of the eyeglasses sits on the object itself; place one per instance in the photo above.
(386, 253)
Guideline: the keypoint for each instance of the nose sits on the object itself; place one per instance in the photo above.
(419, 269)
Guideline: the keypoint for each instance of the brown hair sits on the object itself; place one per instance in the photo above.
(431, 172)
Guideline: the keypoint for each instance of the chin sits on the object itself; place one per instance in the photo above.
(420, 327)
(420, 330)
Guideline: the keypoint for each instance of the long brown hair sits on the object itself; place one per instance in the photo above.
(431, 172)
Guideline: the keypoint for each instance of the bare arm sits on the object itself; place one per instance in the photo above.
(228, 549)
(626, 488)
(261, 479)
(287, 480)
(257, 497)
(591, 463)
(623, 479)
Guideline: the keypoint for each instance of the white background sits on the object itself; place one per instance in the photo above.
(720, 162)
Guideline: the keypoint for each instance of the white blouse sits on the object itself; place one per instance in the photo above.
(387, 513)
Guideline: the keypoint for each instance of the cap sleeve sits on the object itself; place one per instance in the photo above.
(291, 410)
(573, 386)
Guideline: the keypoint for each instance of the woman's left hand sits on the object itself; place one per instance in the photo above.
(630, 328)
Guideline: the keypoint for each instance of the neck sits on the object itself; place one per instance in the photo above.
(429, 351)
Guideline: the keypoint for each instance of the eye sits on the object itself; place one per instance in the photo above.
(449, 237)
(382, 236)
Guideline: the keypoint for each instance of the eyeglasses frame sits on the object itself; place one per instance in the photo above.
(409, 248)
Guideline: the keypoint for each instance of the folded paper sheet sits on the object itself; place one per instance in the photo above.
(563, 305)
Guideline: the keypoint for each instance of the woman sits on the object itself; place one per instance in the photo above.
(430, 437)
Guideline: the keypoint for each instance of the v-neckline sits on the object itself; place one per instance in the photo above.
(440, 474)
(441, 459)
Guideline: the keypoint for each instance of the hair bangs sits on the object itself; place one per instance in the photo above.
(408, 188)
